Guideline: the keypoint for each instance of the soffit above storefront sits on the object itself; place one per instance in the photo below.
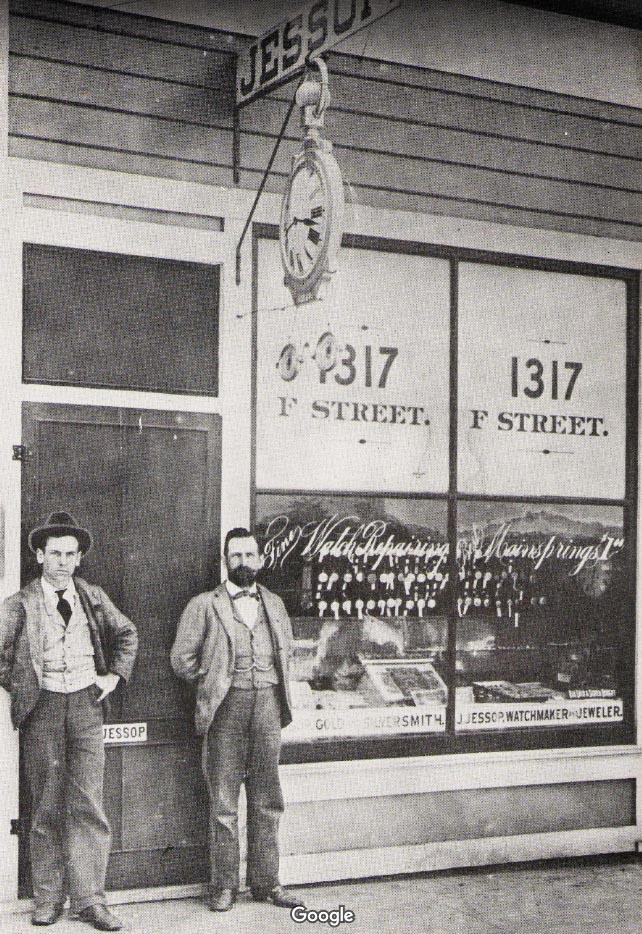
(619, 12)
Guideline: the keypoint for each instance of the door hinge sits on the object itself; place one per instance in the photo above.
(20, 452)
(17, 826)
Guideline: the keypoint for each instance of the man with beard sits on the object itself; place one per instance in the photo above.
(234, 643)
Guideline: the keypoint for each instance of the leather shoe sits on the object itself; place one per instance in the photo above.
(223, 900)
(100, 917)
(279, 897)
(47, 914)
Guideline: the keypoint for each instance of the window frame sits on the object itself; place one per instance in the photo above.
(489, 741)
(33, 251)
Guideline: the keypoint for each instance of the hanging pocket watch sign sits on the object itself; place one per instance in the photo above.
(312, 211)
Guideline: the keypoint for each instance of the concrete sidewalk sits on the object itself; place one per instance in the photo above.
(590, 896)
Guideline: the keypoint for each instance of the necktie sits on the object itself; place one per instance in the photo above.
(246, 593)
(63, 607)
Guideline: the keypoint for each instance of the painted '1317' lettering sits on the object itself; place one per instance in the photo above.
(538, 378)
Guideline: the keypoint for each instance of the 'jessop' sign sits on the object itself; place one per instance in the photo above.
(124, 733)
(283, 50)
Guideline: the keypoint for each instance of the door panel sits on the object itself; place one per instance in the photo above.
(147, 485)
(169, 815)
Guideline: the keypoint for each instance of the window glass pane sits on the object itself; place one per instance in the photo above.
(366, 585)
(543, 614)
(352, 391)
(542, 383)
(125, 322)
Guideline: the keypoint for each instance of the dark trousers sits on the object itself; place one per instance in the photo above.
(243, 745)
(64, 760)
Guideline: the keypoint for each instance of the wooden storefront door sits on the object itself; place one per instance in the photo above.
(147, 484)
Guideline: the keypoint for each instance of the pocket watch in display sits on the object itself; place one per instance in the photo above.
(595, 579)
(311, 220)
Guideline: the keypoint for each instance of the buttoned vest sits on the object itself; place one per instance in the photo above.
(68, 653)
(254, 653)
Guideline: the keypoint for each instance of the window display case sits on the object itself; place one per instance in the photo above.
(366, 584)
(541, 607)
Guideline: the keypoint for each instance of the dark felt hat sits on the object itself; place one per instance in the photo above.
(57, 525)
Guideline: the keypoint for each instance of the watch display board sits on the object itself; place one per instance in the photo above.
(366, 585)
(542, 615)
(347, 397)
(542, 389)
(541, 601)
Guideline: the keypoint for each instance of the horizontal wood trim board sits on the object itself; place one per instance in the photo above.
(165, 388)
(126, 212)
(440, 178)
(428, 857)
(359, 242)
(459, 814)
(69, 123)
(477, 114)
(502, 212)
(124, 92)
(107, 20)
(84, 46)
(156, 893)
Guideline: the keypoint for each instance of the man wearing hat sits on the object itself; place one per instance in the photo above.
(64, 647)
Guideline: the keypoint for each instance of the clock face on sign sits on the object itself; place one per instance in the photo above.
(311, 220)
(304, 223)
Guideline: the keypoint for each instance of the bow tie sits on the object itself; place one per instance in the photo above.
(246, 593)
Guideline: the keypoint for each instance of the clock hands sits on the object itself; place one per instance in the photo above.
(304, 224)
(308, 221)
(309, 224)
(295, 220)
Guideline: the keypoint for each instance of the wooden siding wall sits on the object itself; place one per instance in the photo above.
(112, 90)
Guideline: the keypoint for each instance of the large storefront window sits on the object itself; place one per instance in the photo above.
(445, 489)
(352, 391)
(542, 383)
